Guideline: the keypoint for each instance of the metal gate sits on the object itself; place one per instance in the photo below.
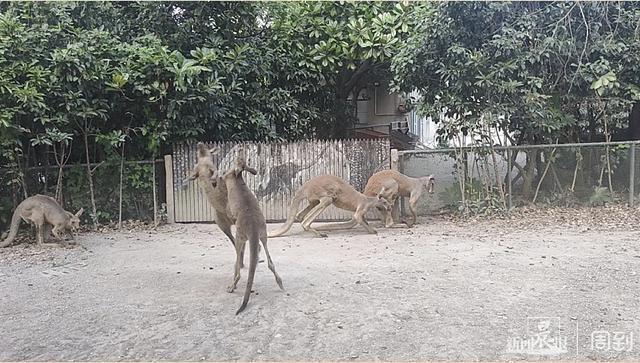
(282, 168)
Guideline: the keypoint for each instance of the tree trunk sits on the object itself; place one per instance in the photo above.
(21, 171)
(529, 170)
(46, 169)
(155, 199)
(633, 132)
(544, 173)
(94, 215)
(121, 178)
(591, 127)
(59, 197)
(60, 160)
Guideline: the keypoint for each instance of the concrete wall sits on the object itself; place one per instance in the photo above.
(442, 166)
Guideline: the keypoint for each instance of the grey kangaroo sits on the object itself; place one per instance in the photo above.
(250, 225)
(213, 186)
(44, 212)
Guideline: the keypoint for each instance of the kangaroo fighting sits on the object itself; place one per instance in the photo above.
(250, 226)
(413, 188)
(321, 192)
(214, 188)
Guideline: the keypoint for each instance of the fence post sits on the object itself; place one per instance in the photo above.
(168, 172)
(632, 172)
(398, 165)
(509, 166)
(394, 159)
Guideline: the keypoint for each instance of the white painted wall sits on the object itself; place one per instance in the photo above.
(426, 129)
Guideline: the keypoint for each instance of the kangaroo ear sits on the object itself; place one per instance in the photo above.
(251, 170)
(431, 184)
(214, 150)
(79, 213)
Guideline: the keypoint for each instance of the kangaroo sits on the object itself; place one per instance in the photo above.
(321, 192)
(406, 187)
(250, 225)
(43, 211)
(214, 188)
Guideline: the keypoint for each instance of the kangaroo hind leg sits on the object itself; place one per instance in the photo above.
(240, 242)
(272, 267)
(314, 213)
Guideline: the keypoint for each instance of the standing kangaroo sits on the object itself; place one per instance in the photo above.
(43, 212)
(405, 186)
(250, 225)
(204, 170)
(214, 188)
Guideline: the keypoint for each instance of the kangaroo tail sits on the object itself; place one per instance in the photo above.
(254, 244)
(293, 210)
(13, 231)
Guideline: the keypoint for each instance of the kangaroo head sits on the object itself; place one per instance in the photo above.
(205, 166)
(214, 178)
(428, 183)
(380, 202)
(241, 164)
(203, 152)
(74, 219)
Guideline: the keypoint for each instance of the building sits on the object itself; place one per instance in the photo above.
(382, 113)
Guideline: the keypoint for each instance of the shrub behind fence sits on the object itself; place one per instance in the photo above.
(481, 179)
(137, 190)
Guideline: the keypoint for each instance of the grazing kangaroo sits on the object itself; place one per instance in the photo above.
(214, 188)
(406, 187)
(250, 225)
(43, 211)
(321, 192)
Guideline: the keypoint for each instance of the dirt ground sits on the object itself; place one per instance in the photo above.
(443, 290)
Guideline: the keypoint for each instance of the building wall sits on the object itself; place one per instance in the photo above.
(380, 107)
(426, 129)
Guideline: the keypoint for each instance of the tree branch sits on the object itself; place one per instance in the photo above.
(356, 76)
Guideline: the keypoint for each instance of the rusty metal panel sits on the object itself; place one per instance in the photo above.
(282, 169)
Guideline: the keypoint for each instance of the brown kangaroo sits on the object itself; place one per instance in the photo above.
(250, 225)
(43, 212)
(321, 192)
(406, 187)
(214, 188)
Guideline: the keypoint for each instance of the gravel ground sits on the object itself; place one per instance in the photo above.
(443, 290)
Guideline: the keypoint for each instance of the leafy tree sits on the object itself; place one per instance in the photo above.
(528, 69)
(74, 73)
(345, 45)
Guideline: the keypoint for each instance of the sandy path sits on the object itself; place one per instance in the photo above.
(441, 290)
